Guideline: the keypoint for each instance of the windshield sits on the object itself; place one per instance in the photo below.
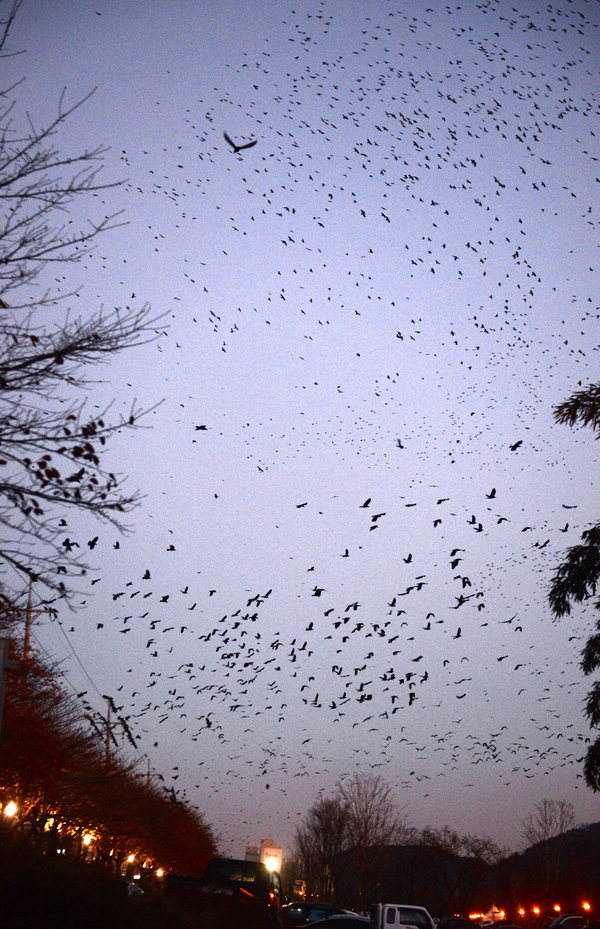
(243, 872)
(414, 917)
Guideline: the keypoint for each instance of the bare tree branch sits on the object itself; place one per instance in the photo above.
(52, 450)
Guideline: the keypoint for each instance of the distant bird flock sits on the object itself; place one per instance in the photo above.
(376, 305)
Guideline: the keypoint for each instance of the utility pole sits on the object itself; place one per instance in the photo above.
(107, 757)
(29, 613)
(109, 726)
(3, 670)
(28, 621)
(151, 774)
(4, 644)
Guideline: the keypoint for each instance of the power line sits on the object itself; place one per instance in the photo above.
(121, 719)
(76, 656)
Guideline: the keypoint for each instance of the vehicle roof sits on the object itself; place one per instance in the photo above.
(341, 917)
(237, 861)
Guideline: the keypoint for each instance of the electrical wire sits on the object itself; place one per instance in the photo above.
(123, 722)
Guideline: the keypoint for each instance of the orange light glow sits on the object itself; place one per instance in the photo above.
(586, 906)
(535, 910)
(521, 911)
(557, 907)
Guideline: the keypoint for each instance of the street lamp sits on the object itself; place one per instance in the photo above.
(10, 809)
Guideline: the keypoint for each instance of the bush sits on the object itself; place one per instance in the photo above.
(57, 893)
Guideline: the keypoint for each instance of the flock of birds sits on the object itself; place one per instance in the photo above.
(381, 289)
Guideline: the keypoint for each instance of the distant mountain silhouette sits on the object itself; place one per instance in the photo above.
(421, 875)
(564, 869)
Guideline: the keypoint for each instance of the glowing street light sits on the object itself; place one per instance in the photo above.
(271, 863)
(586, 906)
(557, 907)
(10, 809)
(87, 839)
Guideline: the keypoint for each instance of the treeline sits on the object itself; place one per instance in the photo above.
(60, 786)
(342, 848)
(356, 847)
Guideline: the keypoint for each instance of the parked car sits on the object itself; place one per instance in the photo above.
(455, 922)
(233, 887)
(504, 924)
(569, 921)
(305, 912)
(347, 920)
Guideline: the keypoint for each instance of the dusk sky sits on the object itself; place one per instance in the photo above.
(355, 491)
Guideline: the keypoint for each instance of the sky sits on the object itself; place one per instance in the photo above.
(355, 493)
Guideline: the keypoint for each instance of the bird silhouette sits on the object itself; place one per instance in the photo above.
(443, 195)
(238, 148)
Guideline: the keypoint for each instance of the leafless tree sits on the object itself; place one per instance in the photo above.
(317, 843)
(471, 856)
(373, 820)
(546, 826)
(52, 450)
(463, 845)
(551, 818)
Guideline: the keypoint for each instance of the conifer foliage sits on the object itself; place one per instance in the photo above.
(576, 578)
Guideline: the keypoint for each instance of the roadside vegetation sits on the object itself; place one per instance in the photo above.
(65, 788)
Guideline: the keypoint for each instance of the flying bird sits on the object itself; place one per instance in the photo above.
(238, 148)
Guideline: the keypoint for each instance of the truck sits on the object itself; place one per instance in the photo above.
(233, 892)
(400, 916)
